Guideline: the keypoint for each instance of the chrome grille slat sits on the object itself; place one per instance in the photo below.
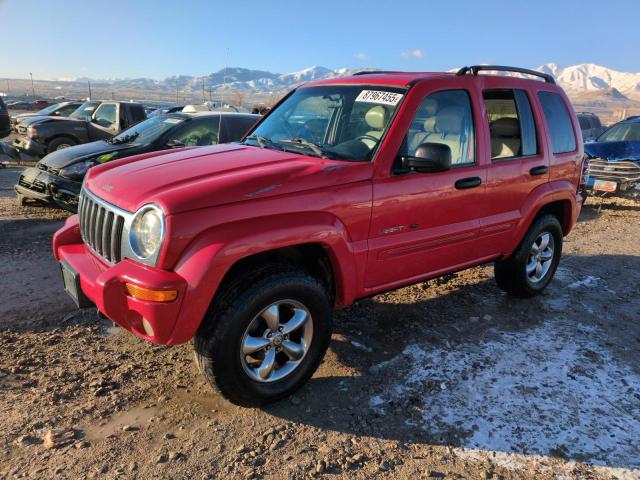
(625, 170)
(106, 235)
(101, 227)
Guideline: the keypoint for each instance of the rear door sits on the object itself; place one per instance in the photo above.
(424, 224)
(519, 163)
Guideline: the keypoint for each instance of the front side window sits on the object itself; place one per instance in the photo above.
(106, 115)
(444, 117)
(511, 124)
(584, 123)
(555, 111)
(66, 110)
(622, 132)
(333, 121)
(196, 133)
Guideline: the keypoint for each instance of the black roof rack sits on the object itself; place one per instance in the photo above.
(373, 72)
(474, 69)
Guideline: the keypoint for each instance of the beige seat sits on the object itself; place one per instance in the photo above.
(505, 137)
(449, 122)
(430, 107)
(375, 119)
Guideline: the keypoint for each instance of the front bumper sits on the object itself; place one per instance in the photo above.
(622, 189)
(104, 285)
(49, 188)
(30, 146)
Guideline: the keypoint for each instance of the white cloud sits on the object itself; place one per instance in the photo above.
(360, 56)
(412, 54)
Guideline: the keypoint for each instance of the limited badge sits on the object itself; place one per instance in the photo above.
(380, 97)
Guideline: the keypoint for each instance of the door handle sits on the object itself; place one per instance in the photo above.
(470, 182)
(540, 170)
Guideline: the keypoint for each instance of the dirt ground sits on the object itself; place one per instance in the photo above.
(445, 379)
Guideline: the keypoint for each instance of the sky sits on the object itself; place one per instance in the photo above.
(157, 39)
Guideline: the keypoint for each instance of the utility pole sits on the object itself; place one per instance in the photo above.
(210, 99)
(8, 87)
(177, 92)
(203, 97)
(33, 91)
(89, 83)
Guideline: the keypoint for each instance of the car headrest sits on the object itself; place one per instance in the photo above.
(375, 117)
(449, 120)
(430, 106)
(429, 125)
(505, 127)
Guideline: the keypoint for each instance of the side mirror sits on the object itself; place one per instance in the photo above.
(429, 157)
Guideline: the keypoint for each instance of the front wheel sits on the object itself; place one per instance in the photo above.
(263, 340)
(60, 143)
(531, 267)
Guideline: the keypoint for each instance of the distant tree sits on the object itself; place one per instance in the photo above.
(236, 97)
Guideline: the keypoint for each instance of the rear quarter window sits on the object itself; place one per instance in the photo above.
(559, 122)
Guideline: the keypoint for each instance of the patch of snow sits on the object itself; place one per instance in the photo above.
(360, 346)
(552, 390)
(589, 281)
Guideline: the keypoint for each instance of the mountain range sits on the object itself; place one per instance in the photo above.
(586, 77)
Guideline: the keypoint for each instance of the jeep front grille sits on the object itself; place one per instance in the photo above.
(101, 226)
(622, 172)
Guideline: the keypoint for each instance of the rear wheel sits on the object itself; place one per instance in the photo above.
(60, 143)
(264, 338)
(531, 267)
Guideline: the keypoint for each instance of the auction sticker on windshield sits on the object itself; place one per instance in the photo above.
(377, 96)
(172, 120)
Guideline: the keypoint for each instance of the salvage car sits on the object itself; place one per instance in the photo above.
(5, 122)
(590, 126)
(63, 109)
(614, 166)
(247, 248)
(50, 134)
(56, 180)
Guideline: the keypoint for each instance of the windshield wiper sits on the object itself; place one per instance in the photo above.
(125, 139)
(263, 142)
(305, 143)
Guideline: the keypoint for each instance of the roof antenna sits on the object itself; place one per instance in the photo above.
(224, 86)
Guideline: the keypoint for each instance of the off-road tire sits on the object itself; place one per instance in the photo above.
(218, 341)
(57, 142)
(511, 273)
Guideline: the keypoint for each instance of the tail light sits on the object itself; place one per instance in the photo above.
(584, 173)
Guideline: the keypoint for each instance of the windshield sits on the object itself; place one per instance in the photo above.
(48, 110)
(87, 108)
(623, 132)
(148, 131)
(333, 121)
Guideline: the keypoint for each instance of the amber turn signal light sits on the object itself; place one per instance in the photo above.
(150, 295)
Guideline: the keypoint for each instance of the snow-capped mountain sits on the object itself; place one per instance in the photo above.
(591, 77)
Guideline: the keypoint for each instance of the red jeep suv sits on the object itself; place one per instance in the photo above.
(348, 187)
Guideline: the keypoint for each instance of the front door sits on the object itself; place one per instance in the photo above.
(104, 122)
(424, 224)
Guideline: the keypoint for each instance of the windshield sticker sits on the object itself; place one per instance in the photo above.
(172, 120)
(377, 96)
(89, 109)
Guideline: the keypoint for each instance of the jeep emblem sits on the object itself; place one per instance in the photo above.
(108, 188)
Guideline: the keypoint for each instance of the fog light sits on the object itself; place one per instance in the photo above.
(148, 329)
(151, 295)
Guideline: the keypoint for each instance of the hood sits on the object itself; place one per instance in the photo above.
(27, 119)
(67, 156)
(203, 177)
(40, 120)
(614, 151)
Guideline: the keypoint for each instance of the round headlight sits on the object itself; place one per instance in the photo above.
(147, 230)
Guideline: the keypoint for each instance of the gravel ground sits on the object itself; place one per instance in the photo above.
(445, 379)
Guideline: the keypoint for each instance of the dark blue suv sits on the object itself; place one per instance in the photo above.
(615, 160)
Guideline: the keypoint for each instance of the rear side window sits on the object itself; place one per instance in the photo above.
(555, 112)
(584, 123)
(513, 130)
